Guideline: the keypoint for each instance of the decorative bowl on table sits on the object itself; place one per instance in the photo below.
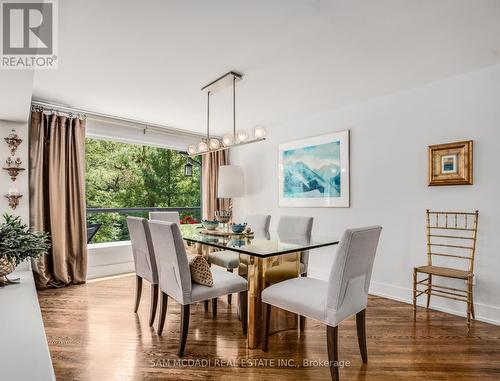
(210, 224)
(238, 228)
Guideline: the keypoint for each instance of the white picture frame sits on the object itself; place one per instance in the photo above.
(314, 172)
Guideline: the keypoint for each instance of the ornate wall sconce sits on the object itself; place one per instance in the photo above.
(13, 196)
(13, 167)
(13, 140)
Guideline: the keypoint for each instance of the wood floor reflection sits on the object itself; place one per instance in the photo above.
(94, 335)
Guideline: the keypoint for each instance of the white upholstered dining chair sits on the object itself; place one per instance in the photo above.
(291, 227)
(330, 302)
(165, 216)
(144, 262)
(230, 260)
(175, 279)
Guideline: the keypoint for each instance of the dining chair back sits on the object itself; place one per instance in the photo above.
(258, 222)
(165, 216)
(142, 249)
(144, 262)
(351, 272)
(171, 257)
(293, 226)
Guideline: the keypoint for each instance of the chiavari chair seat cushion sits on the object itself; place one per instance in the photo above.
(444, 272)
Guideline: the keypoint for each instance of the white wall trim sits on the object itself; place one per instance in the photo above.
(402, 294)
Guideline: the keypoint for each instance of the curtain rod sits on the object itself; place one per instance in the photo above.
(113, 119)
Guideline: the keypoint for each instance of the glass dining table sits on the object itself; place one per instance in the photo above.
(258, 253)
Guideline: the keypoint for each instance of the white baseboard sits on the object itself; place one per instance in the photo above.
(484, 312)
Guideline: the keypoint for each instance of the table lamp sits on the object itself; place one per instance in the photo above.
(230, 184)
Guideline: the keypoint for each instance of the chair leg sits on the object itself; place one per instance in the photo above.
(184, 329)
(469, 302)
(429, 288)
(214, 308)
(302, 319)
(205, 305)
(154, 302)
(163, 312)
(414, 294)
(266, 314)
(472, 308)
(471, 297)
(243, 304)
(361, 328)
(138, 292)
(333, 352)
(229, 296)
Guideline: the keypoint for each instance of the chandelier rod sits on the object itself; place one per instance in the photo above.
(208, 117)
(234, 107)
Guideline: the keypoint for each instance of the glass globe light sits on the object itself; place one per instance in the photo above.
(191, 149)
(259, 132)
(214, 144)
(202, 147)
(227, 140)
(241, 136)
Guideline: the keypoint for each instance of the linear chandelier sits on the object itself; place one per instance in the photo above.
(229, 140)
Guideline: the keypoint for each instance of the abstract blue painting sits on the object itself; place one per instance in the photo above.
(312, 171)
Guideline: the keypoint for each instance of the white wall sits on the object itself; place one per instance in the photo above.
(389, 139)
(21, 183)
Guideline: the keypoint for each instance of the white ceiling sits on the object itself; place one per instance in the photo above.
(148, 59)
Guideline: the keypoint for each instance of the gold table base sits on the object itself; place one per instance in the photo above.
(281, 320)
(254, 270)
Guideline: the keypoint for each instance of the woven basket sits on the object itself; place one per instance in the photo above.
(6, 266)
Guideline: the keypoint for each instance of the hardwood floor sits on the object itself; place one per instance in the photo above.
(93, 334)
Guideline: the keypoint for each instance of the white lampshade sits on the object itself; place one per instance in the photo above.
(259, 132)
(214, 143)
(202, 147)
(230, 182)
(242, 136)
(227, 140)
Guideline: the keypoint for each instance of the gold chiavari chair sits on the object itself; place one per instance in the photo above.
(450, 235)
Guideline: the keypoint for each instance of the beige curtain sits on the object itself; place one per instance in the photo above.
(57, 196)
(210, 171)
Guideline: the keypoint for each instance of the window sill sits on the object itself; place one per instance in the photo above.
(106, 245)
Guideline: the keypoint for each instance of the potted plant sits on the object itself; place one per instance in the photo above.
(17, 244)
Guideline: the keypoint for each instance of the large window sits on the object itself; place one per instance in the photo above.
(127, 179)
